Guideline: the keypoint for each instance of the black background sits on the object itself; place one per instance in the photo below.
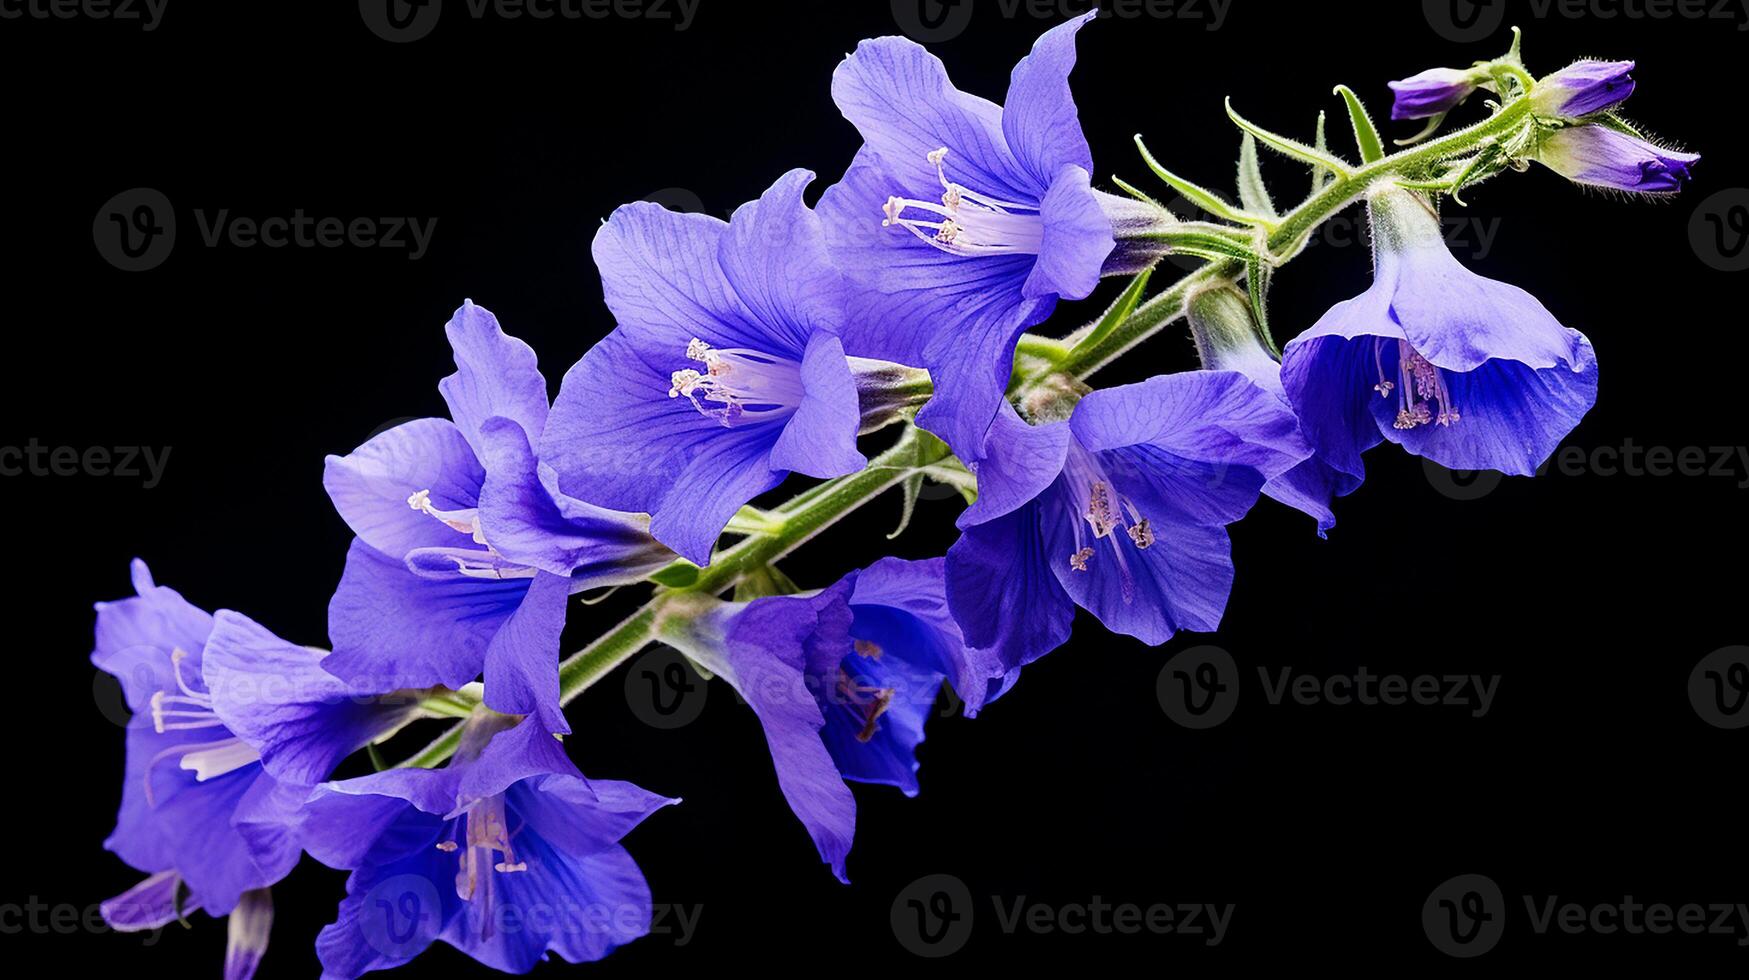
(1591, 596)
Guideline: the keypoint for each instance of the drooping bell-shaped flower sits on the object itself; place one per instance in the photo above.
(467, 550)
(1467, 371)
(507, 853)
(1430, 93)
(1583, 88)
(843, 681)
(207, 807)
(965, 221)
(1227, 339)
(1122, 510)
(725, 372)
(1600, 155)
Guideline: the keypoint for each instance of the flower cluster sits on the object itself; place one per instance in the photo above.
(768, 346)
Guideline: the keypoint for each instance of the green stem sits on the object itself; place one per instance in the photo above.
(795, 523)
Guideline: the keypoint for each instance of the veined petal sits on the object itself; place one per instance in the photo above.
(1021, 462)
(774, 258)
(1459, 320)
(496, 376)
(150, 905)
(135, 638)
(393, 629)
(531, 522)
(1003, 594)
(275, 695)
(713, 486)
(370, 487)
(1078, 238)
(899, 98)
(1179, 582)
(971, 364)
(1219, 418)
(522, 661)
(1039, 119)
(819, 440)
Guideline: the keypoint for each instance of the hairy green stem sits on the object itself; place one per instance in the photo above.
(794, 523)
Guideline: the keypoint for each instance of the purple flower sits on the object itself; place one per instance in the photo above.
(963, 220)
(1582, 88)
(1121, 510)
(507, 854)
(467, 551)
(1434, 91)
(1227, 340)
(724, 374)
(842, 682)
(1600, 156)
(1463, 370)
(206, 809)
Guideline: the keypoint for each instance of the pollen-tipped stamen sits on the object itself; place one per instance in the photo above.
(965, 222)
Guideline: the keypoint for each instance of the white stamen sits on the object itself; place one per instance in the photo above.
(968, 223)
(750, 386)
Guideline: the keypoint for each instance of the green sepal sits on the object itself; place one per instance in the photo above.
(1202, 197)
(1252, 192)
(766, 580)
(678, 574)
(1366, 135)
(1289, 147)
(1116, 314)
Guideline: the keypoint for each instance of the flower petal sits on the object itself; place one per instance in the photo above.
(1039, 119)
(1003, 594)
(774, 257)
(522, 662)
(496, 376)
(819, 440)
(370, 487)
(1021, 462)
(1078, 238)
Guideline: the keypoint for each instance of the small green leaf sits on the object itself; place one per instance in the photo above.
(1366, 135)
(1132, 191)
(1426, 131)
(1287, 147)
(1201, 197)
(1252, 192)
(1257, 288)
(1118, 312)
(676, 575)
(376, 757)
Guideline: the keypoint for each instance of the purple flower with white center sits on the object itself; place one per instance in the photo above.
(843, 681)
(467, 551)
(964, 221)
(725, 372)
(1583, 88)
(1121, 510)
(1466, 371)
(507, 853)
(1431, 93)
(206, 809)
(1227, 340)
(1600, 156)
